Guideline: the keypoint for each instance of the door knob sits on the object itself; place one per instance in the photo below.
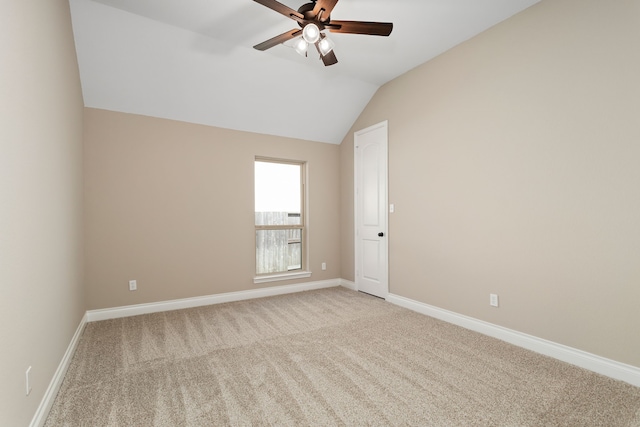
(380, 234)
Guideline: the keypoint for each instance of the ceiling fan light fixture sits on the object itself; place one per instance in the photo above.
(301, 46)
(314, 17)
(311, 33)
(325, 46)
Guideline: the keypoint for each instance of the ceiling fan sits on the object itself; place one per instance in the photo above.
(313, 18)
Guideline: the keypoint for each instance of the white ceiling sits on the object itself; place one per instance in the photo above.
(193, 60)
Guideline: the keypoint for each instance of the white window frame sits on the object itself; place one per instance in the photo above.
(303, 272)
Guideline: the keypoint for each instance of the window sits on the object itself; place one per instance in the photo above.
(279, 217)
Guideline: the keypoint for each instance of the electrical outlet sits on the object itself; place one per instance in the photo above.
(493, 300)
(324, 265)
(28, 380)
(133, 285)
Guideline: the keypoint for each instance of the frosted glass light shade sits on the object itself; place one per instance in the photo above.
(311, 33)
(325, 46)
(301, 46)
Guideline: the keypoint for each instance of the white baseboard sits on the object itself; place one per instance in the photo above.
(49, 397)
(348, 284)
(134, 310)
(592, 362)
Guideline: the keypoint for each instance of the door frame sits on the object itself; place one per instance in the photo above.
(384, 124)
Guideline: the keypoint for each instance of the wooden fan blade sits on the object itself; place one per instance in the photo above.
(326, 6)
(280, 8)
(360, 27)
(278, 39)
(329, 59)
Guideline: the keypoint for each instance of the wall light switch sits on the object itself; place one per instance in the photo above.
(392, 208)
(28, 380)
(133, 285)
(493, 300)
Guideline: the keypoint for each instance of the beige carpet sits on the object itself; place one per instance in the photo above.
(327, 357)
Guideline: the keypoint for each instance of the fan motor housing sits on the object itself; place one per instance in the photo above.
(307, 11)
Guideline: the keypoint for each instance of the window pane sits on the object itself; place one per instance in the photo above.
(295, 256)
(293, 219)
(277, 193)
(272, 218)
(278, 250)
(278, 203)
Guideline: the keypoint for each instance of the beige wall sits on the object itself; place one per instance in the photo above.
(170, 204)
(513, 166)
(41, 294)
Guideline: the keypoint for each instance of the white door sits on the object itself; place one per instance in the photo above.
(371, 246)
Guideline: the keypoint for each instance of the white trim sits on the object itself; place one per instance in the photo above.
(592, 362)
(49, 397)
(348, 284)
(155, 307)
(282, 276)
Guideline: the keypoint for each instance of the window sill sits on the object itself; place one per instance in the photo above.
(282, 276)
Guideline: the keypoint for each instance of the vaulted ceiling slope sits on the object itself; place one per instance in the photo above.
(193, 60)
